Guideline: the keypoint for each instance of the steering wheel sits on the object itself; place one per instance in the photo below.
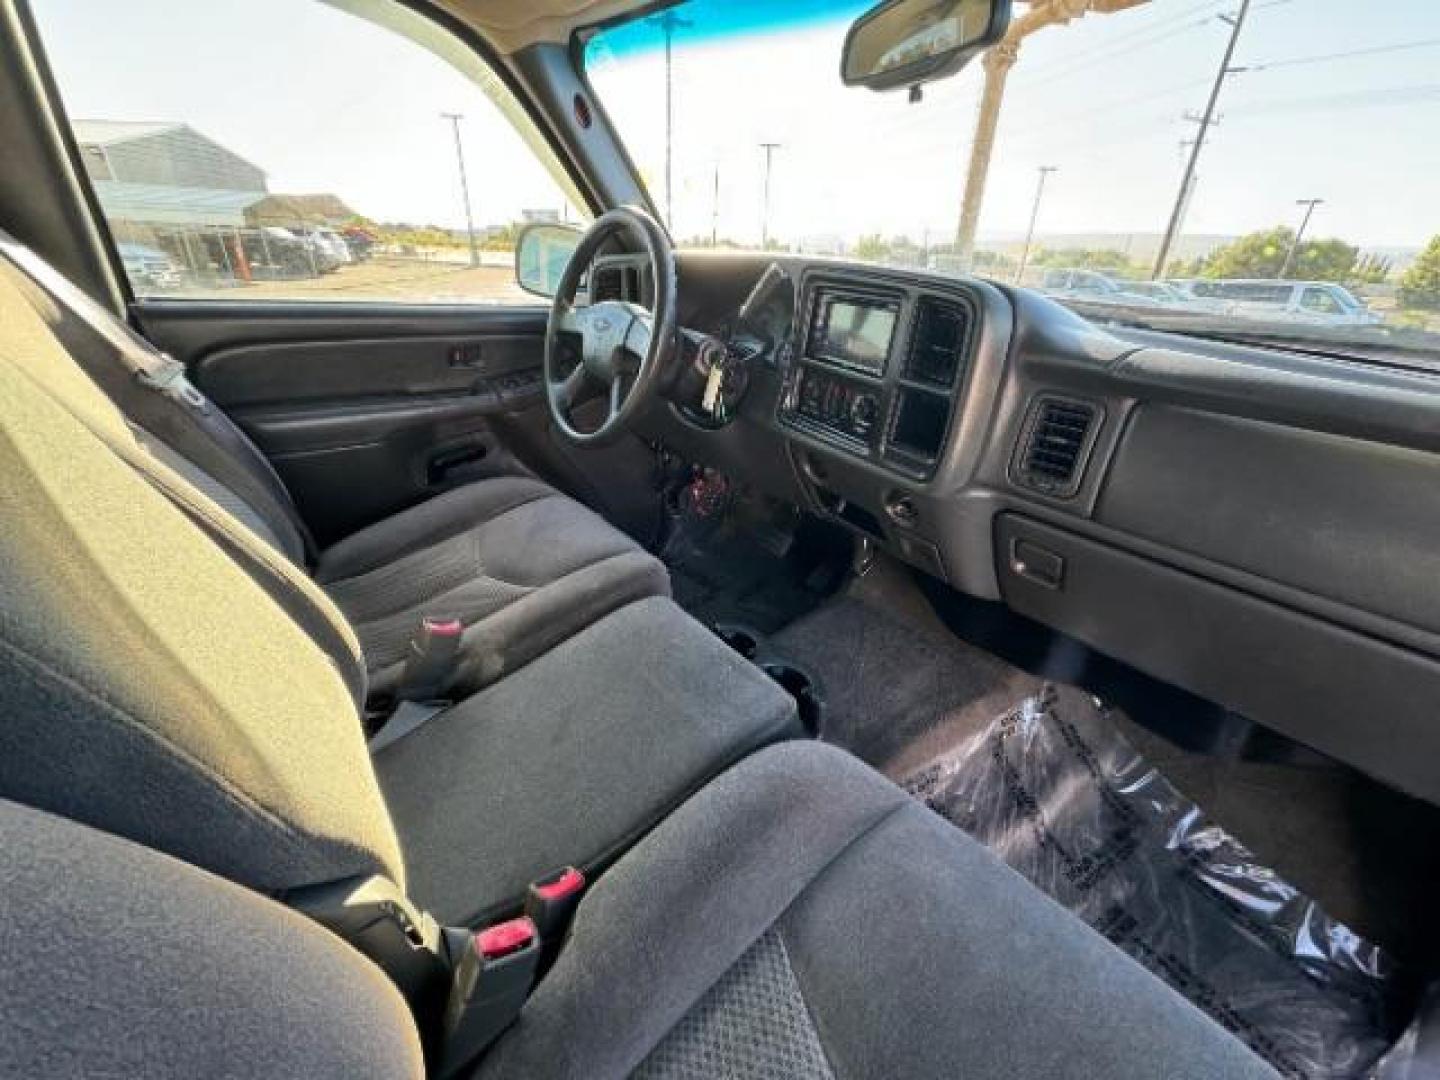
(622, 346)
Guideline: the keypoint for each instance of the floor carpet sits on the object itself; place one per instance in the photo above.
(901, 689)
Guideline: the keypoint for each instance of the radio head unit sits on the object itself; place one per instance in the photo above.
(852, 330)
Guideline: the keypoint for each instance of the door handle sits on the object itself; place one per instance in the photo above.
(471, 356)
(448, 464)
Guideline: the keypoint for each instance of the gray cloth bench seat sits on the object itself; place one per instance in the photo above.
(803, 917)
(572, 758)
(520, 564)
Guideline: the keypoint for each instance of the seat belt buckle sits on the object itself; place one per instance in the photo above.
(493, 976)
(550, 904)
(430, 663)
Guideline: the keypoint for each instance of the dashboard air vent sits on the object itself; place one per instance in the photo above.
(937, 343)
(1056, 443)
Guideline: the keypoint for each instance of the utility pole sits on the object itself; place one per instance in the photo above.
(1237, 22)
(715, 209)
(769, 148)
(1309, 205)
(1045, 171)
(455, 118)
(669, 22)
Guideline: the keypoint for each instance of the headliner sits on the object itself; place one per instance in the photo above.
(510, 25)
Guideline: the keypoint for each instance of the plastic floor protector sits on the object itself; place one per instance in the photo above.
(1055, 790)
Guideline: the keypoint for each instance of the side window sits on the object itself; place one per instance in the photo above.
(1319, 300)
(287, 149)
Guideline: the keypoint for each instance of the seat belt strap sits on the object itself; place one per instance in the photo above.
(408, 717)
(159, 372)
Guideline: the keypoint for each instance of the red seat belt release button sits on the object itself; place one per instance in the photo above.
(491, 982)
(567, 883)
(430, 664)
(551, 903)
(503, 939)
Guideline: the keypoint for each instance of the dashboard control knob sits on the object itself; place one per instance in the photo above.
(863, 412)
(901, 509)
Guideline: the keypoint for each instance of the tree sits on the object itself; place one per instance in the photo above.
(1420, 287)
(904, 252)
(1262, 255)
(995, 262)
(1185, 268)
(872, 248)
(1371, 270)
(501, 239)
(1105, 260)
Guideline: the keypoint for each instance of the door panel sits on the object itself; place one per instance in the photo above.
(246, 376)
(367, 410)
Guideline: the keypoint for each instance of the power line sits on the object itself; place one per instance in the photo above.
(1127, 44)
(1325, 58)
(1393, 95)
(1070, 118)
(1149, 28)
(1124, 43)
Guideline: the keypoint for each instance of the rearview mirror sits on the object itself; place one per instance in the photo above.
(542, 251)
(900, 43)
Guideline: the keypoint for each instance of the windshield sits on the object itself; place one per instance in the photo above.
(1306, 213)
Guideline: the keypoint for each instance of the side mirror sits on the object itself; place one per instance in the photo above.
(905, 43)
(542, 251)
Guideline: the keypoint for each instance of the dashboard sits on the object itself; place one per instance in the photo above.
(878, 370)
(1253, 525)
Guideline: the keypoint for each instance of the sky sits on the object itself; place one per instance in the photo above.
(326, 102)
(322, 100)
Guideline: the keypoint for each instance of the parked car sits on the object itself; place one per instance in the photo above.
(331, 248)
(1316, 303)
(151, 267)
(1092, 286)
(1171, 295)
(278, 252)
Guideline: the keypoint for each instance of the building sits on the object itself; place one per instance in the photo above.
(171, 155)
(165, 187)
(165, 174)
(292, 210)
(172, 192)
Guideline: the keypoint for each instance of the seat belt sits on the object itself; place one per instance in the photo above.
(281, 579)
(428, 673)
(464, 987)
(409, 716)
(166, 377)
